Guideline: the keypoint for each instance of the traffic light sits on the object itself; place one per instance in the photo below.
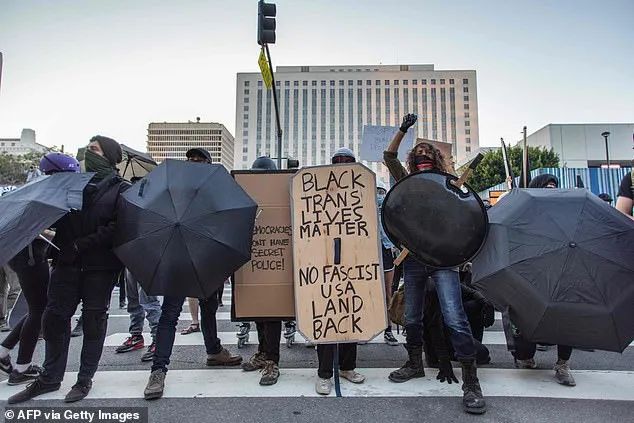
(266, 23)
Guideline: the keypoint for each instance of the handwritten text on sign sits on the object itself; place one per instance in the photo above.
(338, 275)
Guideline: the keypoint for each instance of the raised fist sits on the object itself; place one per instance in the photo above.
(408, 121)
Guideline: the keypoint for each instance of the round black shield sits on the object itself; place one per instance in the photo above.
(442, 226)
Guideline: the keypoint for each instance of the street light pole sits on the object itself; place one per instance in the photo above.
(605, 135)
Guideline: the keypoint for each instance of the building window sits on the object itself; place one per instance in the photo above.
(296, 83)
(305, 83)
(433, 82)
(442, 81)
(424, 82)
(387, 82)
(246, 83)
(350, 82)
(468, 140)
(313, 83)
(451, 82)
(466, 114)
(466, 106)
(465, 98)
(414, 81)
(467, 131)
(246, 108)
(246, 99)
(465, 89)
(323, 83)
(332, 83)
(405, 82)
(467, 123)
(465, 81)
(396, 82)
(359, 82)
(368, 82)
(245, 117)
(377, 82)
(246, 92)
(259, 83)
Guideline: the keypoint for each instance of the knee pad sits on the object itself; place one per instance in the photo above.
(95, 324)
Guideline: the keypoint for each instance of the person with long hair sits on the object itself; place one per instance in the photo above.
(425, 157)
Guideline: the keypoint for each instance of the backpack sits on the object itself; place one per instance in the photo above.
(396, 310)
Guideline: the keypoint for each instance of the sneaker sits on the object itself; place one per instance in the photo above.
(149, 354)
(30, 374)
(4, 327)
(352, 376)
(389, 338)
(257, 361)
(155, 386)
(270, 373)
(323, 386)
(78, 330)
(562, 373)
(79, 391)
(223, 358)
(5, 365)
(134, 342)
(34, 389)
(526, 364)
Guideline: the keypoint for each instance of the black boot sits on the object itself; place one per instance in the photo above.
(413, 367)
(472, 400)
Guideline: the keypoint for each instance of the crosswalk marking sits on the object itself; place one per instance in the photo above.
(208, 383)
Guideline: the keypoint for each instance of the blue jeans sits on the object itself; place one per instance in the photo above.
(141, 306)
(166, 331)
(450, 298)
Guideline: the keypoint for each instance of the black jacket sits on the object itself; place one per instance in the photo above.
(85, 237)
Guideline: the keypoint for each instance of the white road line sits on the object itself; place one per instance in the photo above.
(591, 384)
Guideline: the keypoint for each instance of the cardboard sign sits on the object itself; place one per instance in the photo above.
(263, 288)
(376, 138)
(339, 289)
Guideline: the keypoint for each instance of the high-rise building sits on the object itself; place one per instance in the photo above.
(323, 108)
(23, 145)
(171, 140)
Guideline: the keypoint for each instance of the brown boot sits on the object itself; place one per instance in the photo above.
(413, 367)
(223, 358)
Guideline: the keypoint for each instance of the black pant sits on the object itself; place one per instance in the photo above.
(269, 335)
(34, 283)
(525, 350)
(166, 331)
(67, 287)
(121, 283)
(474, 314)
(326, 357)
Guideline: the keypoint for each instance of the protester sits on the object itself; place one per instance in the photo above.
(267, 358)
(31, 267)
(524, 352)
(625, 197)
(9, 292)
(425, 157)
(388, 261)
(84, 269)
(171, 308)
(348, 351)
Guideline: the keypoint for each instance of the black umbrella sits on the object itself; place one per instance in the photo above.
(560, 263)
(184, 229)
(441, 225)
(27, 211)
(135, 164)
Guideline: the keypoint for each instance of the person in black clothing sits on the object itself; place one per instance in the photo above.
(31, 267)
(625, 197)
(85, 269)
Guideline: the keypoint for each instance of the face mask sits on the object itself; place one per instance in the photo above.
(98, 164)
(424, 162)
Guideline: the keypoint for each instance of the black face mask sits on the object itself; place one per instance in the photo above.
(424, 162)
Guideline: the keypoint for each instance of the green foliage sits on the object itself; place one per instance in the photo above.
(13, 169)
(491, 172)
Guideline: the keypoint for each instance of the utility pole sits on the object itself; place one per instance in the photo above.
(525, 169)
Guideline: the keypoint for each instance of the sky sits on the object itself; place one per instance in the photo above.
(76, 68)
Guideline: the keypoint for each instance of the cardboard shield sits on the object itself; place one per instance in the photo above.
(263, 288)
(441, 225)
(339, 288)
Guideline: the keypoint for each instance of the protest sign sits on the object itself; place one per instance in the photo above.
(263, 288)
(376, 138)
(339, 289)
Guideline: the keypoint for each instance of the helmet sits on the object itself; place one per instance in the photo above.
(263, 163)
(58, 162)
(344, 152)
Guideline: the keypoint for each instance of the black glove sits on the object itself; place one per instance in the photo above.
(408, 121)
(488, 314)
(445, 373)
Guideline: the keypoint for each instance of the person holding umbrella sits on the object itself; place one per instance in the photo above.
(31, 267)
(85, 269)
(524, 353)
(426, 157)
(171, 308)
(625, 197)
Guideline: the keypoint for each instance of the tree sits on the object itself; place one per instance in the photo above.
(490, 171)
(13, 168)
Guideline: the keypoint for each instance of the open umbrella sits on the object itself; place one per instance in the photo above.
(27, 211)
(560, 263)
(184, 229)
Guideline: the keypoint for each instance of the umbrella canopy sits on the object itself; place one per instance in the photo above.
(560, 262)
(135, 164)
(441, 226)
(27, 211)
(184, 229)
